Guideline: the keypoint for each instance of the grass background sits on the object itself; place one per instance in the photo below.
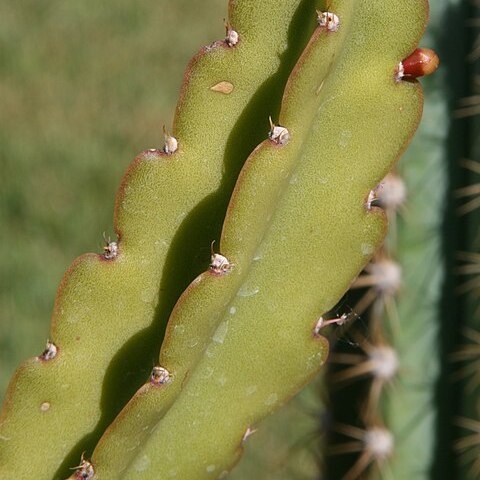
(84, 86)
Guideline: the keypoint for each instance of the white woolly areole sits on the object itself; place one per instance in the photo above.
(400, 73)
(110, 250)
(379, 442)
(220, 264)
(85, 471)
(370, 199)
(171, 145)
(392, 192)
(388, 275)
(50, 351)
(279, 135)
(159, 376)
(231, 38)
(329, 20)
(385, 362)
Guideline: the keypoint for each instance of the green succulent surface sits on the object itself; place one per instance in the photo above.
(253, 325)
(240, 341)
(109, 314)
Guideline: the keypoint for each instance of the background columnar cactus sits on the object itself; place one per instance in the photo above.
(467, 354)
(297, 232)
(436, 317)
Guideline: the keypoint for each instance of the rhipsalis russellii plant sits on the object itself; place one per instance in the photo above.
(165, 233)
(298, 224)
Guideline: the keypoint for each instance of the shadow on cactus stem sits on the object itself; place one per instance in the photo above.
(188, 255)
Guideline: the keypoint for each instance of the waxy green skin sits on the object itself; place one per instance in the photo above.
(298, 232)
(109, 314)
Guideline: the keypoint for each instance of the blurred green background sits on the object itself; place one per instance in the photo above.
(84, 87)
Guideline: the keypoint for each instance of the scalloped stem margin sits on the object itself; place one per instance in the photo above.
(103, 306)
(298, 232)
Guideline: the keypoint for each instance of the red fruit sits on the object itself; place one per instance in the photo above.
(423, 61)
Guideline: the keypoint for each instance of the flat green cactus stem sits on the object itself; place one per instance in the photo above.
(109, 310)
(240, 341)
